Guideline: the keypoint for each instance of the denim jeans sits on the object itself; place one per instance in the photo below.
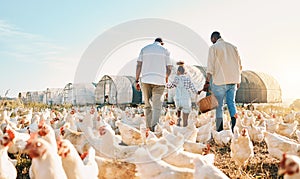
(154, 93)
(228, 92)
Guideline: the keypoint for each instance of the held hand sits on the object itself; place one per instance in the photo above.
(205, 87)
(138, 87)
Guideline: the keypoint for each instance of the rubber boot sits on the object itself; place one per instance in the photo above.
(185, 119)
(178, 121)
(179, 117)
(219, 124)
(233, 121)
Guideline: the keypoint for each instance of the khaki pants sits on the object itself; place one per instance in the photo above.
(154, 93)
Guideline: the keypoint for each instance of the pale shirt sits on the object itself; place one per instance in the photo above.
(155, 60)
(224, 63)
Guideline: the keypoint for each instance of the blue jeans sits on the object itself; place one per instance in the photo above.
(222, 91)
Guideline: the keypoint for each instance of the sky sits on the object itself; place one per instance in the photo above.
(41, 42)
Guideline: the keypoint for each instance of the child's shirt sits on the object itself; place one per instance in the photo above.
(186, 81)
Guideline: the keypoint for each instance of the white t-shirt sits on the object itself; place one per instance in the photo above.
(155, 60)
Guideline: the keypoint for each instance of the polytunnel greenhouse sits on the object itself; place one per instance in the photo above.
(117, 90)
(54, 96)
(257, 87)
(35, 96)
(79, 94)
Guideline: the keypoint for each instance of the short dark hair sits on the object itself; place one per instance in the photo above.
(216, 35)
(158, 40)
(181, 69)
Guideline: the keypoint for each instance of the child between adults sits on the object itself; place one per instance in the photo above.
(182, 98)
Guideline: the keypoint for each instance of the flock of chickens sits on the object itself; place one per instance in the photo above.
(115, 143)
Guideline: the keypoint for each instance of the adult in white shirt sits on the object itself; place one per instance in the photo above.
(154, 66)
(224, 67)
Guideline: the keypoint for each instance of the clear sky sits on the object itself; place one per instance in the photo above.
(41, 42)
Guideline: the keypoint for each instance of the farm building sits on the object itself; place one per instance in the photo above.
(35, 96)
(117, 90)
(259, 88)
(54, 96)
(79, 94)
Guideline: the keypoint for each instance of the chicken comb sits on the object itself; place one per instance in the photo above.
(282, 162)
(208, 147)
(33, 136)
(243, 132)
(259, 116)
(10, 133)
(83, 155)
(206, 150)
(41, 123)
(59, 142)
(147, 132)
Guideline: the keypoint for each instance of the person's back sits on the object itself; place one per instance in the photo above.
(182, 91)
(182, 98)
(155, 58)
(224, 68)
(154, 66)
(227, 65)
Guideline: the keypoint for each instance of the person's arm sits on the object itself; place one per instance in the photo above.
(169, 69)
(210, 67)
(172, 84)
(138, 70)
(240, 65)
(169, 64)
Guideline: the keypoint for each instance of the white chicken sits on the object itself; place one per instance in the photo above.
(78, 139)
(223, 137)
(107, 144)
(289, 118)
(203, 119)
(47, 133)
(149, 166)
(241, 147)
(205, 170)
(175, 155)
(7, 169)
(204, 133)
(298, 135)
(287, 129)
(278, 144)
(197, 148)
(248, 118)
(19, 141)
(272, 123)
(45, 160)
(130, 135)
(289, 166)
(256, 132)
(114, 169)
(189, 132)
(72, 163)
(71, 119)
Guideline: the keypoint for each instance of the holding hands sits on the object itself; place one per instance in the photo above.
(206, 86)
(137, 85)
